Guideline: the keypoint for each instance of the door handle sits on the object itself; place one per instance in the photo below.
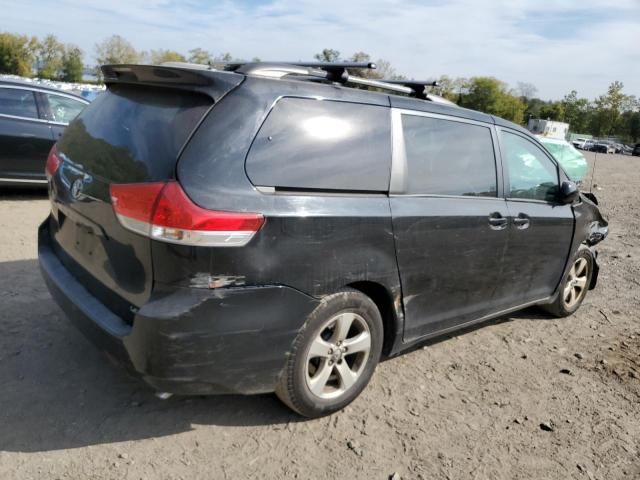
(497, 221)
(522, 221)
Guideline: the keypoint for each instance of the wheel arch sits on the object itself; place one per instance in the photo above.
(384, 300)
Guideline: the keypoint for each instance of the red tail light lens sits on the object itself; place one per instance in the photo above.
(53, 162)
(135, 200)
(164, 212)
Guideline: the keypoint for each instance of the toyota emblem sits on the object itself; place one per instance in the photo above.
(76, 189)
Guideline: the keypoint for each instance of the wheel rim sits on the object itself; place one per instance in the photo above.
(338, 355)
(576, 283)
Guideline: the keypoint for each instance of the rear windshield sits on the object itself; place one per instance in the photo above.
(132, 134)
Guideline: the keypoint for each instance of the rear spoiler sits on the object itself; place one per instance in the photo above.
(214, 83)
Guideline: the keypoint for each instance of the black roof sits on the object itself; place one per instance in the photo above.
(197, 77)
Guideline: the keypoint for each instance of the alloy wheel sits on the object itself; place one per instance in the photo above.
(576, 283)
(338, 355)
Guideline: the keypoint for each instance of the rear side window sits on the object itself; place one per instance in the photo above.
(320, 144)
(63, 109)
(18, 102)
(131, 134)
(448, 157)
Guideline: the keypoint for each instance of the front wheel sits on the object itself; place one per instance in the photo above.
(334, 356)
(574, 287)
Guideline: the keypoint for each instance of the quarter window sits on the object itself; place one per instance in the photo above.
(449, 158)
(320, 144)
(18, 102)
(531, 174)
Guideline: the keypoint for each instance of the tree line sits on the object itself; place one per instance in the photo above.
(48, 58)
(612, 114)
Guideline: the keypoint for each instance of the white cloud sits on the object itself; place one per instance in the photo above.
(556, 45)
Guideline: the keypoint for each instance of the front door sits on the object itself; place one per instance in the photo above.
(541, 227)
(449, 220)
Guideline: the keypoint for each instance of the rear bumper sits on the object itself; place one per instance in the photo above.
(188, 340)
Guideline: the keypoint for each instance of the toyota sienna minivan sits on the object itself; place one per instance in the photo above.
(269, 228)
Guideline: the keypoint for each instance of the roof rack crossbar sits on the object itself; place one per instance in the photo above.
(334, 72)
(319, 65)
(379, 84)
(331, 65)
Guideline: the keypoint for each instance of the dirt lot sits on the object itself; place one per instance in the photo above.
(465, 407)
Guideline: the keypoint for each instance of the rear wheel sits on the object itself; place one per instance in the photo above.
(574, 287)
(334, 356)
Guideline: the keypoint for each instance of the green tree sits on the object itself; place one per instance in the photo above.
(483, 94)
(17, 54)
(608, 109)
(534, 106)
(490, 95)
(630, 126)
(72, 66)
(552, 111)
(328, 55)
(511, 107)
(50, 53)
(576, 112)
(161, 56)
(115, 49)
(198, 55)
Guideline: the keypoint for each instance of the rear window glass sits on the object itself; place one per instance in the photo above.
(449, 158)
(320, 144)
(131, 134)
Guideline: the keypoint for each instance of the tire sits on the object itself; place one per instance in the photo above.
(347, 326)
(564, 304)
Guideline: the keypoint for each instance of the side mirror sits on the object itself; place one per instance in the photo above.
(569, 192)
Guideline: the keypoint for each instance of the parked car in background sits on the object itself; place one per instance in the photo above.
(603, 147)
(579, 143)
(570, 159)
(636, 150)
(32, 118)
(291, 241)
(588, 145)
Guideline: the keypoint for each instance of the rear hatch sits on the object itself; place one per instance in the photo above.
(132, 133)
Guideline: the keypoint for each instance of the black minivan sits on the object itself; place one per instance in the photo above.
(269, 228)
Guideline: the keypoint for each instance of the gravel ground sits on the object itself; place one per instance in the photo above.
(523, 397)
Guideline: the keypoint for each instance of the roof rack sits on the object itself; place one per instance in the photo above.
(335, 72)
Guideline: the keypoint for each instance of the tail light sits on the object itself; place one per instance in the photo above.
(53, 162)
(162, 211)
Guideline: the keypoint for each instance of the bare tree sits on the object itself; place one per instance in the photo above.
(116, 49)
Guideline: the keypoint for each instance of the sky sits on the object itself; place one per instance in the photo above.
(557, 45)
